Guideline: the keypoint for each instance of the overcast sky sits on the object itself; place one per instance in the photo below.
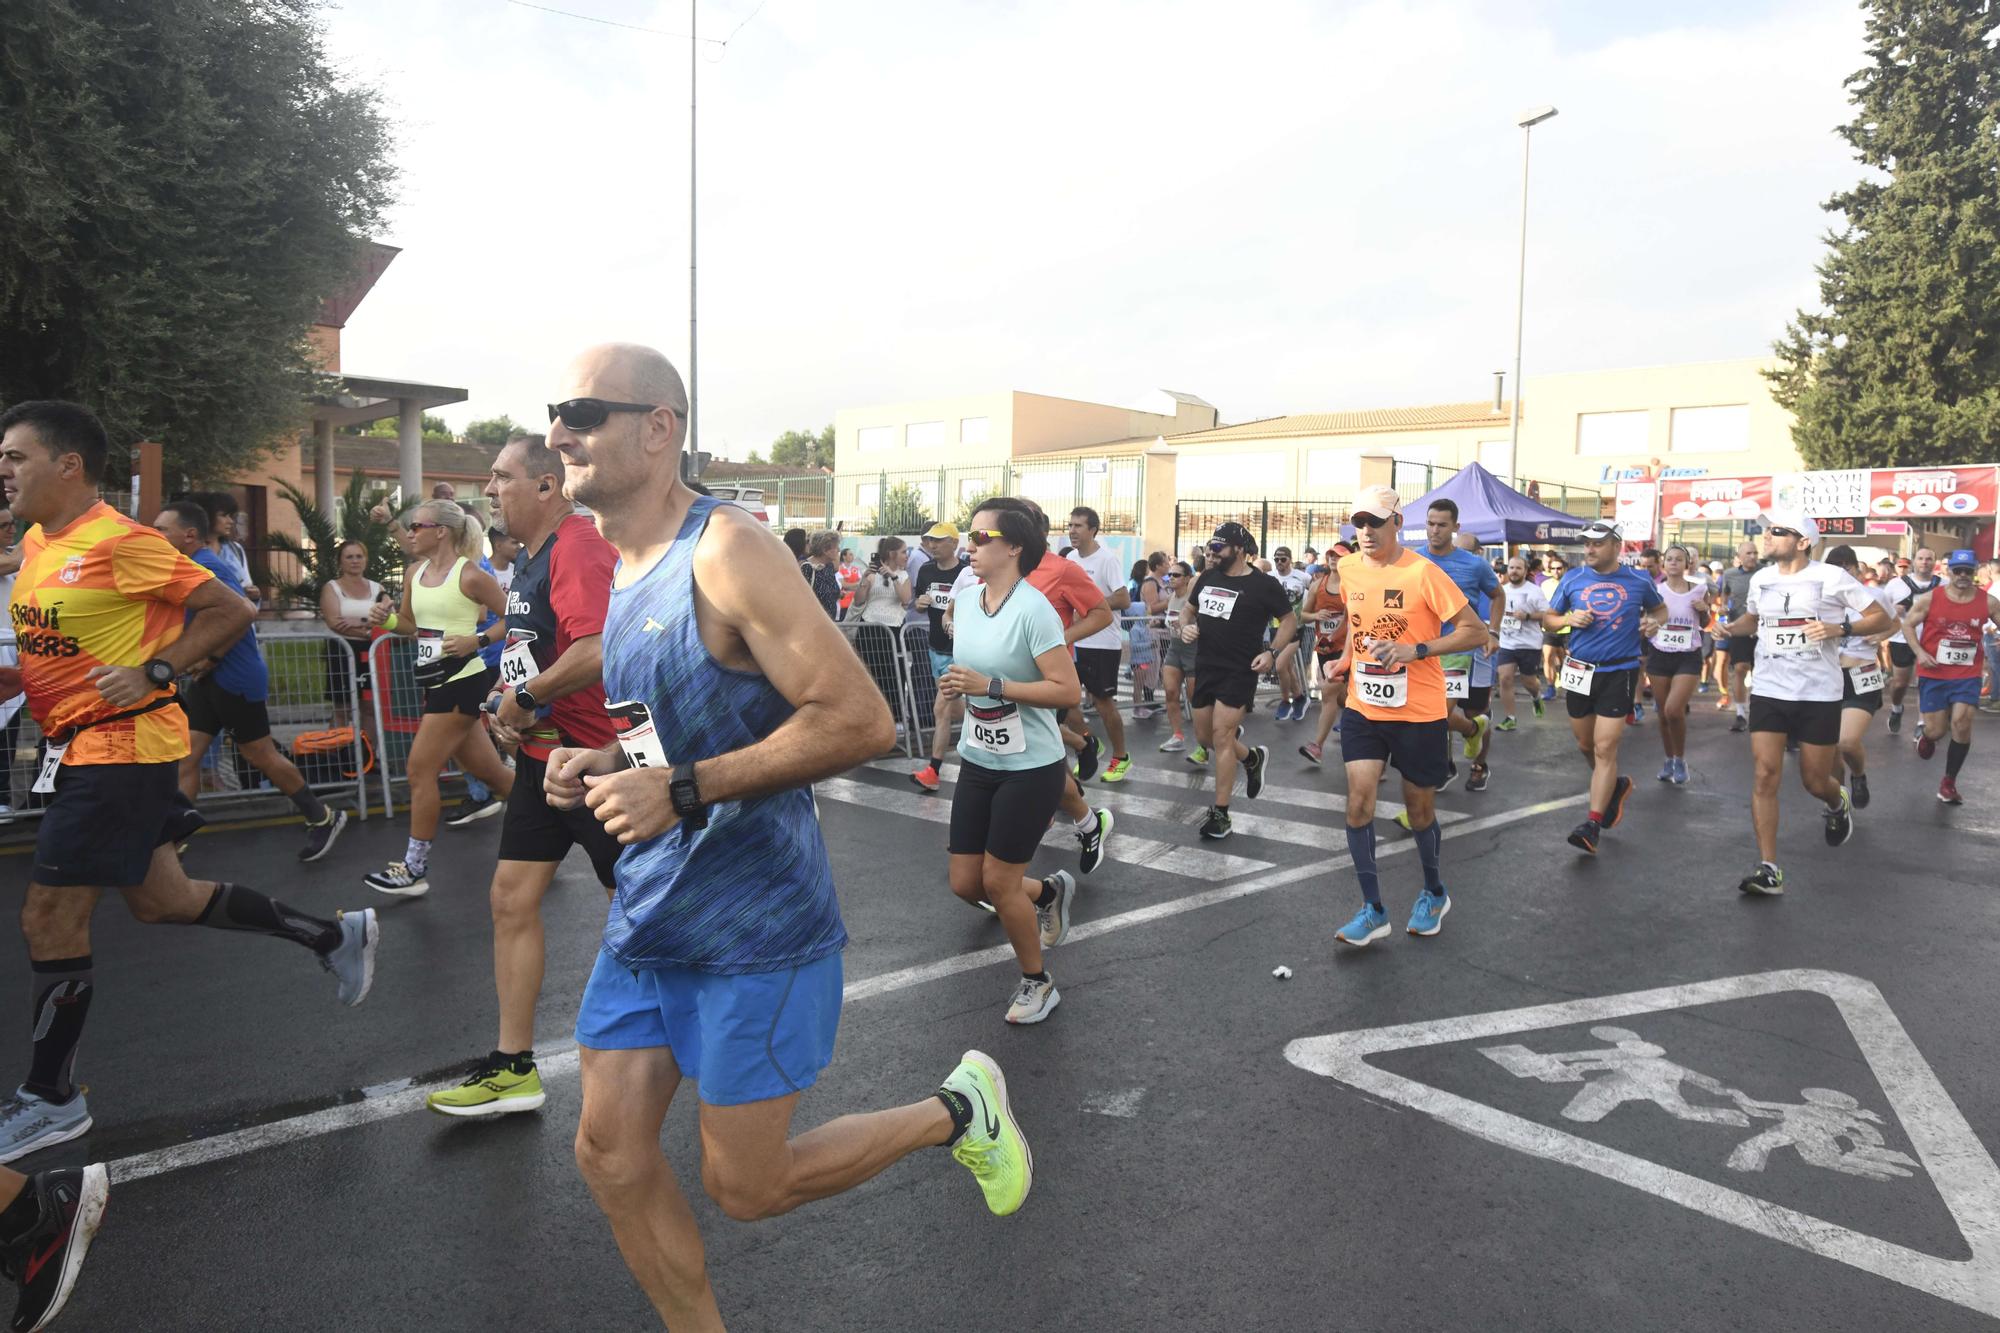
(1281, 207)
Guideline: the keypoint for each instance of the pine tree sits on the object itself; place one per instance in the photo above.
(1901, 367)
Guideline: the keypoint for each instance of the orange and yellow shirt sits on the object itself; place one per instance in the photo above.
(104, 591)
(1410, 600)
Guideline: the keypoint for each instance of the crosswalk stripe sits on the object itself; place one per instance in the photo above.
(1129, 849)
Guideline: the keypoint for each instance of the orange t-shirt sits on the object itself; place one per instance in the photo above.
(1410, 600)
(104, 591)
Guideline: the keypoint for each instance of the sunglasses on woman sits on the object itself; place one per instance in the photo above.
(981, 536)
(590, 413)
(419, 527)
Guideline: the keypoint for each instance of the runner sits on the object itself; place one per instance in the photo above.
(1799, 611)
(1673, 657)
(1861, 684)
(1913, 579)
(443, 591)
(1943, 627)
(1468, 683)
(1012, 666)
(1326, 612)
(1140, 621)
(99, 608)
(721, 961)
(1176, 653)
(1101, 655)
(934, 583)
(1225, 621)
(1733, 594)
(550, 693)
(1293, 688)
(228, 693)
(47, 1222)
(1554, 650)
(1607, 607)
(1522, 605)
(1398, 605)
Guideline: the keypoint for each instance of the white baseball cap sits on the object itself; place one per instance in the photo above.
(1796, 519)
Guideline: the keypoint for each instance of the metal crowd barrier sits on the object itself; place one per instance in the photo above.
(396, 703)
(310, 673)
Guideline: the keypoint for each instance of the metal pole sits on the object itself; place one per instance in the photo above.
(694, 374)
(1520, 303)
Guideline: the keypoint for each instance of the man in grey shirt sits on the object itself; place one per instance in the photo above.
(1732, 591)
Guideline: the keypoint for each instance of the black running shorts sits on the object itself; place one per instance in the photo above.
(1870, 702)
(1902, 656)
(1217, 685)
(1003, 814)
(104, 821)
(1664, 665)
(1743, 648)
(1420, 751)
(1097, 671)
(533, 830)
(1611, 694)
(465, 696)
(1807, 721)
(212, 710)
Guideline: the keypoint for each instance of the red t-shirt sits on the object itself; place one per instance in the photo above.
(565, 587)
(1068, 586)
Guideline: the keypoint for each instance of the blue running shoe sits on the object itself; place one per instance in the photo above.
(1681, 771)
(1427, 917)
(1667, 770)
(1371, 923)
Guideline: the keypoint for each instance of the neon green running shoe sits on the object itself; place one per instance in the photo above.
(1198, 755)
(497, 1087)
(1117, 770)
(992, 1147)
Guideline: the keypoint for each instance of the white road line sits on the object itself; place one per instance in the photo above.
(1149, 853)
(562, 1062)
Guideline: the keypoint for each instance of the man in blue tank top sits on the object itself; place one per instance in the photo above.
(721, 957)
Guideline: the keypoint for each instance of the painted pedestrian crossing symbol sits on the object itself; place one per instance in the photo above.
(1629, 1099)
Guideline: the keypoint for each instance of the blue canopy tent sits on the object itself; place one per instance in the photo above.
(1492, 511)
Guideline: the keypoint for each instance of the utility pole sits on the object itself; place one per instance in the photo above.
(1527, 120)
(694, 372)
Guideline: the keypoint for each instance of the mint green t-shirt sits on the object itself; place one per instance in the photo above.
(1008, 736)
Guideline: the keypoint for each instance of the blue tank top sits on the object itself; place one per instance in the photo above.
(752, 892)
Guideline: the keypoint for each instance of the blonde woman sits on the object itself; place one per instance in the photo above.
(443, 593)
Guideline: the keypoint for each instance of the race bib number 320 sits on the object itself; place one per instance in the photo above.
(1384, 687)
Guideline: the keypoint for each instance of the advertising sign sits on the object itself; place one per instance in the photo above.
(1717, 498)
(1636, 510)
(1938, 492)
(1845, 492)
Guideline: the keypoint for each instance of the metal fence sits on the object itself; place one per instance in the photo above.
(1115, 486)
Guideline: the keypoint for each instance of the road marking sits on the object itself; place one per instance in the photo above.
(562, 1061)
(1130, 849)
(1958, 1163)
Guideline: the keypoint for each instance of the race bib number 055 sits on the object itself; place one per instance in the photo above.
(995, 728)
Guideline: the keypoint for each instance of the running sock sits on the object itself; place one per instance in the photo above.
(1037, 977)
(957, 1106)
(60, 990)
(1047, 897)
(1743, 710)
(1088, 823)
(417, 856)
(1430, 839)
(1361, 848)
(309, 805)
(1954, 757)
(233, 907)
(1597, 816)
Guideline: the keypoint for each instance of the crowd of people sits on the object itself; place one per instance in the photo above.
(656, 668)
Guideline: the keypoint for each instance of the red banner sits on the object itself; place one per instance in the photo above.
(1722, 498)
(1933, 492)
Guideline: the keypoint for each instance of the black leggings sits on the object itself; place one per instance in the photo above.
(1003, 814)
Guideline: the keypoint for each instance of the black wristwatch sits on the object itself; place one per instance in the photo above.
(688, 805)
(524, 700)
(1423, 649)
(996, 689)
(1847, 626)
(159, 673)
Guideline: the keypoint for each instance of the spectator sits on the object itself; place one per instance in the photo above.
(818, 567)
(849, 572)
(444, 490)
(795, 542)
(345, 602)
(881, 600)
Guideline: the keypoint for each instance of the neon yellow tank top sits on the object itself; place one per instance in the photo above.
(445, 608)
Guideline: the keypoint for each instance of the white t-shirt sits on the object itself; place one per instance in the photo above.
(1520, 626)
(1295, 584)
(1785, 666)
(1855, 648)
(1905, 588)
(1109, 576)
(877, 602)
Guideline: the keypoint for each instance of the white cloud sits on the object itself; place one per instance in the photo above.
(1283, 207)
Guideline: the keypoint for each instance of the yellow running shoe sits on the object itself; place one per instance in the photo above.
(501, 1085)
(992, 1147)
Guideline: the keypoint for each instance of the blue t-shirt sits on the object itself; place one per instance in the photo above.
(490, 654)
(241, 670)
(1616, 601)
(1472, 572)
(1008, 736)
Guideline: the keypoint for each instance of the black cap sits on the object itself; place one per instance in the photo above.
(1236, 535)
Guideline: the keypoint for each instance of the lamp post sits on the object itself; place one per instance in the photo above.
(1527, 120)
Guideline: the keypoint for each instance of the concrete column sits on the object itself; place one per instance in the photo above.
(323, 468)
(1159, 489)
(410, 449)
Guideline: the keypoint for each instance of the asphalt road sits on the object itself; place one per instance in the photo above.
(1202, 1162)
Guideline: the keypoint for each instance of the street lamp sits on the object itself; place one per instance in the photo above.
(1527, 120)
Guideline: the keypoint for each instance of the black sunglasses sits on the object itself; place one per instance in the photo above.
(1785, 532)
(1370, 522)
(590, 413)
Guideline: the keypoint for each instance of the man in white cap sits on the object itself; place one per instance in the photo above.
(1799, 610)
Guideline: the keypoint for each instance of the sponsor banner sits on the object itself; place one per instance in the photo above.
(1936, 492)
(1636, 509)
(1716, 498)
(1843, 492)
(1888, 527)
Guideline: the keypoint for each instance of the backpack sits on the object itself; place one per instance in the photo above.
(328, 756)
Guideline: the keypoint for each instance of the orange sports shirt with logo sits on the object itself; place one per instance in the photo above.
(1411, 600)
(104, 591)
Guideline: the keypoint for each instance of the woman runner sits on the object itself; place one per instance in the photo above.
(1326, 611)
(1673, 658)
(1176, 656)
(1011, 665)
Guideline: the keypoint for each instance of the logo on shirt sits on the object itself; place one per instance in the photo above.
(651, 626)
(1392, 599)
(1387, 627)
(72, 569)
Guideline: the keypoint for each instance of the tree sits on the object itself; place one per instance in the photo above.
(971, 507)
(318, 557)
(183, 182)
(756, 459)
(802, 448)
(901, 510)
(434, 428)
(1902, 366)
(493, 431)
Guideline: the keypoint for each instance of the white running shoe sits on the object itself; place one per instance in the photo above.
(398, 880)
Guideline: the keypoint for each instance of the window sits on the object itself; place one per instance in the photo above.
(868, 495)
(1497, 457)
(976, 488)
(1604, 434)
(974, 430)
(873, 439)
(1333, 469)
(925, 435)
(1710, 430)
(1233, 472)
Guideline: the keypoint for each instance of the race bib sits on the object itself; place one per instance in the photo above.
(1675, 639)
(1577, 676)
(45, 777)
(1957, 652)
(430, 646)
(517, 663)
(1457, 676)
(1384, 687)
(1785, 638)
(941, 598)
(995, 728)
(633, 722)
(1218, 602)
(1510, 624)
(1866, 678)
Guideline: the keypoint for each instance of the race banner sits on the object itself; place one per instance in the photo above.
(1823, 494)
(1718, 498)
(1935, 492)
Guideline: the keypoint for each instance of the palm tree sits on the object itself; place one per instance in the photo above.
(319, 555)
